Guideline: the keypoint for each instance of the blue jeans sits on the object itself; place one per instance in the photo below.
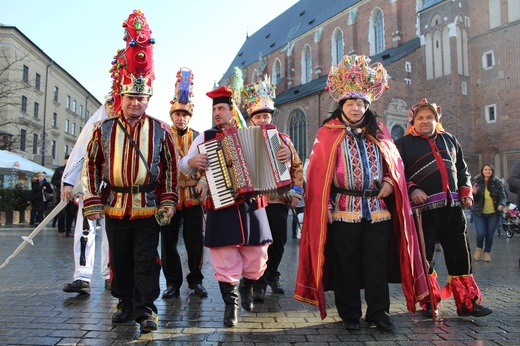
(486, 225)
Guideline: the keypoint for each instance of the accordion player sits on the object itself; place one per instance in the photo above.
(243, 164)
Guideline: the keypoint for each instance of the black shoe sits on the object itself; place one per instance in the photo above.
(78, 286)
(108, 285)
(199, 290)
(384, 325)
(148, 324)
(427, 312)
(478, 311)
(171, 292)
(258, 295)
(276, 287)
(351, 324)
(122, 315)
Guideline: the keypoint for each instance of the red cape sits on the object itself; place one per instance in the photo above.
(310, 282)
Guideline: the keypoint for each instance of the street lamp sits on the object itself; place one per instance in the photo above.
(44, 135)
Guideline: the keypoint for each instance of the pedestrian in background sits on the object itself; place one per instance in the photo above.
(489, 197)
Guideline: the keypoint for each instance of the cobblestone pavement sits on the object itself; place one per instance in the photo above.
(35, 310)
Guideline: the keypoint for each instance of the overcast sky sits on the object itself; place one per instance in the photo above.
(204, 35)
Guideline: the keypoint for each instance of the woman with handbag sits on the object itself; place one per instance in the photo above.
(41, 195)
(490, 198)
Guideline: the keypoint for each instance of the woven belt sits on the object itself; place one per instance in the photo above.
(133, 188)
(357, 193)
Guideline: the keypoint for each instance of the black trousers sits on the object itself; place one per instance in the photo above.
(66, 218)
(192, 232)
(448, 226)
(277, 215)
(295, 221)
(358, 255)
(135, 263)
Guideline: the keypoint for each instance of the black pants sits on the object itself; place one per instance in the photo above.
(66, 218)
(277, 215)
(135, 263)
(295, 222)
(358, 255)
(192, 233)
(448, 226)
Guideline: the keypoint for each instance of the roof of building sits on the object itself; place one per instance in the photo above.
(387, 57)
(428, 4)
(295, 21)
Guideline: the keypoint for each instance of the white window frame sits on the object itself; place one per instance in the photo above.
(487, 113)
(485, 56)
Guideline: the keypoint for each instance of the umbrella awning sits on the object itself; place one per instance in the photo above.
(10, 161)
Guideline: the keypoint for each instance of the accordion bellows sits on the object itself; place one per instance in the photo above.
(243, 164)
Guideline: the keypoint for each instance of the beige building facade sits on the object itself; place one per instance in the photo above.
(42, 107)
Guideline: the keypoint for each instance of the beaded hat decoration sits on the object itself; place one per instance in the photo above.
(259, 96)
(116, 71)
(424, 103)
(183, 92)
(138, 73)
(354, 77)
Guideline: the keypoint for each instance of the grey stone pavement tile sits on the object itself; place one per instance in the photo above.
(35, 310)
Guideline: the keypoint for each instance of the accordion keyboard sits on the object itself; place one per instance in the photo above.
(217, 175)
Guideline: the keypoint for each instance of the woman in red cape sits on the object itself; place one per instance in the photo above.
(311, 282)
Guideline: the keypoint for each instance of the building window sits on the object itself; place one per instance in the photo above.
(36, 109)
(81, 111)
(37, 81)
(35, 144)
(491, 113)
(56, 93)
(306, 65)
(54, 120)
(464, 88)
(277, 72)
(73, 130)
(74, 106)
(87, 114)
(407, 66)
(338, 47)
(53, 149)
(24, 104)
(488, 60)
(298, 132)
(66, 125)
(379, 35)
(397, 132)
(408, 81)
(66, 149)
(23, 140)
(67, 104)
(25, 75)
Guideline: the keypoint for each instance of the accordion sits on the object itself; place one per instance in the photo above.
(243, 164)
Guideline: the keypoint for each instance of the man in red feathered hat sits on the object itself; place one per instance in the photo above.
(237, 235)
(439, 185)
(130, 179)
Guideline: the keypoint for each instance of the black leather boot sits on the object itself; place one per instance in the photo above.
(246, 293)
(230, 296)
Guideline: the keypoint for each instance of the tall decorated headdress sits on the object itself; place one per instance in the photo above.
(354, 77)
(183, 92)
(138, 73)
(259, 96)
